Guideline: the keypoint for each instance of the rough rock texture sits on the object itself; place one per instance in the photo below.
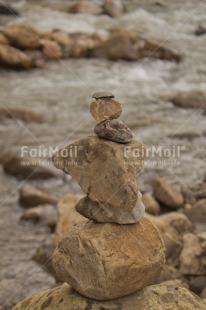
(67, 215)
(105, 261)
(151, 205)
(171, 238)
(114, 8)
(31, 196)
(190, 99)
(12, 57)
(156, 297)
(86, 7)
(106, 213)
(22, 36)
(104, 108)
(106, 171)
(192, 258)
(114, 130)
(167, 194)
(179, 221)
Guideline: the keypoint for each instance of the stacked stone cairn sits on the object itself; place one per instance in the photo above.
(117, 251)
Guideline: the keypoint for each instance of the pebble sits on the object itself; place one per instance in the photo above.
(114, 130)
(102, 94)
(105, 108)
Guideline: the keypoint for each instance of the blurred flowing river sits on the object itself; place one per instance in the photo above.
(62, 93)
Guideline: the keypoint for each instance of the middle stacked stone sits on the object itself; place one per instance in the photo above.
(98, 258)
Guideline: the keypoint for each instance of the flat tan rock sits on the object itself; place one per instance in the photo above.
(106, 261)
(51, 49)
(167, 194)
(106, 171)
(105, 213)
(105, 108)
(157, 297)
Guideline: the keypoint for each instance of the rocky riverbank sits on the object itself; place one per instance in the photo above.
(163, 106)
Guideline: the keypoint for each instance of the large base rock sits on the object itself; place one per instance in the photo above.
(105, 261)
(156, 297)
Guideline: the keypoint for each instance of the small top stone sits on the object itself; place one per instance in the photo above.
(103, 94)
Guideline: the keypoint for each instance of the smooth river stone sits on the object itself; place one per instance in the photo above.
(103, 261)
(105, 170)
(114, 130)
(105, 213)
(105, 108)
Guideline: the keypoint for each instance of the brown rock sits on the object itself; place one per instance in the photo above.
(114, 8)
(22, 36)
(167, 194)
(203, 294)
(63, 39)
(3, 39)
(197, 284)
(51, 49)
(114, 130)
(190, 134)
(105, 213)
(67, 215)
(129, 45)
(169, 273)
(171, 238)
(20, 113)
(190, 99)
(176, 282)
(31, 196)
(29, 167)
(37, 58)
(82, 43)
(102, 109)
(192, 258)
(106, 261)
(179, 221)
(157, 297)
(86, 7)
(106, 171)
(44, 253)
(44, 215)
(197, 214)
(151, 205)
(12, 57)
(201, 30)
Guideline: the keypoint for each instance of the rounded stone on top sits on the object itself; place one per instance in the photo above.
(103, 94)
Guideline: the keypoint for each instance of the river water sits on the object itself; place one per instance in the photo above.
(62, 93)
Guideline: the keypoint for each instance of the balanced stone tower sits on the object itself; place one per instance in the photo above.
(117, 251)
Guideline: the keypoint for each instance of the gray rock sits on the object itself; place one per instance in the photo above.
(114, 130)
(106, 213)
